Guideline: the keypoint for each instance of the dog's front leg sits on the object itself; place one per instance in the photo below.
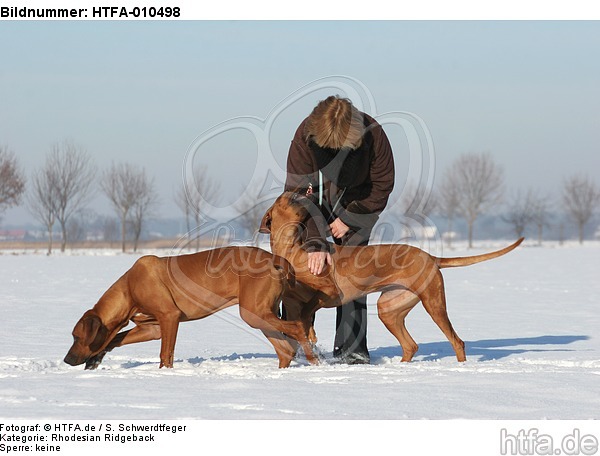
(93, 362)
(169, 324)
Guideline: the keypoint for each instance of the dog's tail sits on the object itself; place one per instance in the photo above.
(468, 261)
(283, 265)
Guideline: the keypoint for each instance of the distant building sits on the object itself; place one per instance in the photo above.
(13, 235)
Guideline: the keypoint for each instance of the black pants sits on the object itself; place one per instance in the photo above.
(351, 330)
(351, 319)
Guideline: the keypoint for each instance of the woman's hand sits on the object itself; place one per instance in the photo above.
(317, 260)
(339, 228)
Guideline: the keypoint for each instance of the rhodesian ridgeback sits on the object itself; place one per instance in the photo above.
(403, 274)
(156, 294)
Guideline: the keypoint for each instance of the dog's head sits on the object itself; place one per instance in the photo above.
(89, 338)
(289, 209)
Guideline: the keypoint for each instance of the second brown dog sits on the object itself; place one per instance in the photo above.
(403, 274)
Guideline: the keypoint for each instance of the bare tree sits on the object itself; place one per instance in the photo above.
(72, 175)
(12, 180)
(192, 199)
(146, 198)
(478, 183)
(132, 195)
(520, 211)
(581, 198)
(115, 184)
(41, 200)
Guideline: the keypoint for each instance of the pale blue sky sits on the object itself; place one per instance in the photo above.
(528, 92)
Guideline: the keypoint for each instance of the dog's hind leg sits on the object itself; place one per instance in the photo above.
(259, 304)
(292, 311)
(392, 307)
(284, 346)
(298, 331)
(269, 324)
(434, 300)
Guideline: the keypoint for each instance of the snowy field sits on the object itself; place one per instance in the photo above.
(530, 321)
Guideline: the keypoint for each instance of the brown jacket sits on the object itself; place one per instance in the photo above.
(366, 191)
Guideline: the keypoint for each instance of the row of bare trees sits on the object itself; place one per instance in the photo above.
(474, 185)
(65, 183)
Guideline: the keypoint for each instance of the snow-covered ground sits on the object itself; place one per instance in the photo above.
(530, 321)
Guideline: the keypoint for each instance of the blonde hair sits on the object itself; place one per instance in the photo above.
(335, 123)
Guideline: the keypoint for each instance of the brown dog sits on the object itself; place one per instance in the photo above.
(404, 274)
(158, 293)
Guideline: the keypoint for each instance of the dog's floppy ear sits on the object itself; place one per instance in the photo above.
(95, 332)
(265, 224)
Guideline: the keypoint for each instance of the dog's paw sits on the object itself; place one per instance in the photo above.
(91, 366)
(94, 361)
